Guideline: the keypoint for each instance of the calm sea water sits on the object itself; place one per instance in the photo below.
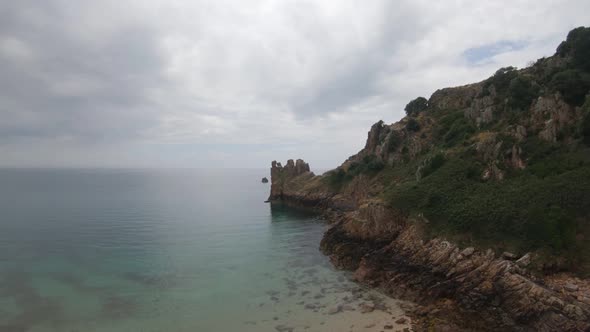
(158, 250)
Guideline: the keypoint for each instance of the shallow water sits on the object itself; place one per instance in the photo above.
(165, 250)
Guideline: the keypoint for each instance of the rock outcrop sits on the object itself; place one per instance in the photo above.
(494, 293)
(281, 176)
(293, 184)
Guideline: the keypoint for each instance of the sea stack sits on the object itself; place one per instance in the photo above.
(280, 176)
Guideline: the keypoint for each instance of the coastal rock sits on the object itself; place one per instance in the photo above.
(284, 179)
(504, 296)
(455, 98)
(334, 310)
(374, 137)
(401, 321)
(570, 287)
(551, 115)
(264, 180)
(467, 251)
(524, 261)
(508, 255)
(367, 307)
(482, 109)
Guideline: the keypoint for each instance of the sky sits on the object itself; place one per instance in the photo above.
(237, 84)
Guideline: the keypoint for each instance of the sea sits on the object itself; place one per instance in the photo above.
(168, 250)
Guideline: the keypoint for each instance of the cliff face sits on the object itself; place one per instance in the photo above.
(281, 177)
(477, 204)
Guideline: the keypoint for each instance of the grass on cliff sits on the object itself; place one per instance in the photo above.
(369, 165)
(538, 208)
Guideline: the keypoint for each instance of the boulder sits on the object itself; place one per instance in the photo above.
(524, 261)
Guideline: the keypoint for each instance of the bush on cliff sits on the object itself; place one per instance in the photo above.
(500, 81)
(413, 125)
(527, 210)
(416, 106)
(394, 141)
(369, 165)
(577, 45)
(335, 178)
(453, 129)
(522, 91)
(572, 84)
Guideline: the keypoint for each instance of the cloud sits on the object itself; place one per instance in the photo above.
(181, 83)
(484, 53)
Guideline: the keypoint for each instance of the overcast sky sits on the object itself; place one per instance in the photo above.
(216, 83)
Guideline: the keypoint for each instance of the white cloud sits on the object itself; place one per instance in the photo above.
(190, 83)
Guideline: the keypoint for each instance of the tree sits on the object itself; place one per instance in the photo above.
(572, 84)
(521, 92)
(416, 106)
(577, 45)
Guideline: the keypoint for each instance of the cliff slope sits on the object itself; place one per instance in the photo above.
(477, 202)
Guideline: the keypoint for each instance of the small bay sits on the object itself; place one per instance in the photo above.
(165, 250)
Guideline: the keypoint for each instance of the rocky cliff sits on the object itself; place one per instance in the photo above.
(476, 204)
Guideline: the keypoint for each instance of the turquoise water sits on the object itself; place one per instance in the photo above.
(158, 250)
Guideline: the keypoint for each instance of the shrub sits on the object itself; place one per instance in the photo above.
(572, 84)
(526, 210)
(460, 131)
(444, 124)
(394, 141)
(577, 45)
(432, 164)
(413, 125)
(501, 81)
(416, 106)
(521, 92)
(369, 165)
(336, 178)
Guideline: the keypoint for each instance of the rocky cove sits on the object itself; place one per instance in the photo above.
(475, 205)
(457, 289)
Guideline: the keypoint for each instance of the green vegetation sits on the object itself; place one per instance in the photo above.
(500, 81)
(574, 81)
(453, 128)
(413, 125)
(545, 206)
(416, 106)
(572, 84)
(335, 178)
(516, 89)
(527, 210)
(432, 164)
(369, 165)
(522, 90)
(577, 45)
(394, 141)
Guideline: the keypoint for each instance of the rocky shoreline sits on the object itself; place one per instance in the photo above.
(475, 205)
(457, 289)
